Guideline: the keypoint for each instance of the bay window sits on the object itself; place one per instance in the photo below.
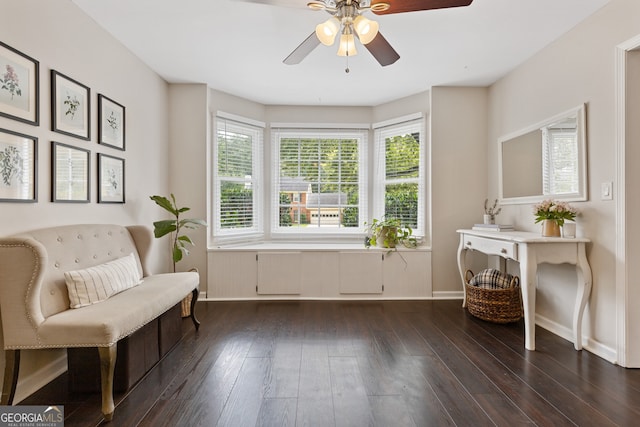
(319, 184)
(399, 173)
(237, 170)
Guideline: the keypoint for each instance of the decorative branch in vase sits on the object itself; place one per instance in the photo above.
(490, 212)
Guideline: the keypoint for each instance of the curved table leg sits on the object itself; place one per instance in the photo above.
(582, 296)
(461, 268)
(528, 287)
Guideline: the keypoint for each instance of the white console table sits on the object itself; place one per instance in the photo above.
(531, 249)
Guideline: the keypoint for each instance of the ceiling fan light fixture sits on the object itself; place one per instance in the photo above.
(327, 31)
(347, 45)
(366, 29)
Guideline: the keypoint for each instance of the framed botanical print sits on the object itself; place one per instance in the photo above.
(110, 179)
(70, 168)
(70, 106)
(18, 167)
(111, 123)
(19, 86)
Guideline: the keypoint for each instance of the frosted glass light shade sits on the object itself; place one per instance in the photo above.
(347, 45)
(365, 28)
(326, 32)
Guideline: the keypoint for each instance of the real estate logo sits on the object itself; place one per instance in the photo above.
(31, 416)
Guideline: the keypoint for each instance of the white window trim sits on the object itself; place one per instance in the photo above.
(338, 132)
(394, 127)
(255, 233)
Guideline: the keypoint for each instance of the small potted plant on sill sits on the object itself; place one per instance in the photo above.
(389, 233)
(180, 242)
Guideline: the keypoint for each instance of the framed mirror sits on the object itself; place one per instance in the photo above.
(546, 160)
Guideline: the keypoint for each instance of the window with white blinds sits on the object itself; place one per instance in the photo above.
(560, 161)
(399, 173)
(71, 173)
(237, 170)
(319, 181)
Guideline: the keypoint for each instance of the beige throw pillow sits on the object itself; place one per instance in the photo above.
(96, 284)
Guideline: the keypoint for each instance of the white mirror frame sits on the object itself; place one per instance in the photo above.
(581, 194)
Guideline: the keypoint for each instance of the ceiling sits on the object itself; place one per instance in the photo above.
(237, 46)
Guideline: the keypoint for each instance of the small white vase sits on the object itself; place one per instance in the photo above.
(489, 219)
(569, 230)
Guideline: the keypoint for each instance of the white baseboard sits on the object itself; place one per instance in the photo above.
(352, 297)
(607, 353)
(444, 295)
(35, 380)
(448, 295)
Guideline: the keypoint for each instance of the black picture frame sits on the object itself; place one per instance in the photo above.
(70, 106)
(70, 172)
(18, 167)
(111, 123)
(19, 86)
(111, 179)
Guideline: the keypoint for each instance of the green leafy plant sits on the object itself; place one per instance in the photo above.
(175, 227)
(389, 233)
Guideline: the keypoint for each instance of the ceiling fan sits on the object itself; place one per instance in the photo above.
(347, 20)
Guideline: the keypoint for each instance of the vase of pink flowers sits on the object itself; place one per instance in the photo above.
(552, 214)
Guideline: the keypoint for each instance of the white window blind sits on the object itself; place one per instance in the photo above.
(320, 181)
(399, 173)
(560, 161)
(72, 170)
(237, 159)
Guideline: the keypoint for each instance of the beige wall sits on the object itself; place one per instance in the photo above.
(458, 175)
(577, 68)
(61, 37)
(189, 133)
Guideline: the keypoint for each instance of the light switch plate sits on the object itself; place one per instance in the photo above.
(606, 191)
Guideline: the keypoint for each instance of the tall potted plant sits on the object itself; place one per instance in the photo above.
(180, 242)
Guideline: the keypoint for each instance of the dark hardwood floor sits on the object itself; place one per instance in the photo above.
(395, 363)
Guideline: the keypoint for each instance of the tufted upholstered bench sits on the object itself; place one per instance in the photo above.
(35, 304)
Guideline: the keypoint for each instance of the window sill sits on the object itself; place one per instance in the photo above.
(311, 247)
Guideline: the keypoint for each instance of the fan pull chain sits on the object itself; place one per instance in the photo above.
(346, 70)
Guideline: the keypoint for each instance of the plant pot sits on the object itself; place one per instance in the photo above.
(489, 219)
(550, 228)
(387, 237)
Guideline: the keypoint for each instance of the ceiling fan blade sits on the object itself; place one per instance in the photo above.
(380, 48)
(400, 6)
(303, 50)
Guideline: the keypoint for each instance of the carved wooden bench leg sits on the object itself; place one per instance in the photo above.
(107, 367)
(11, 369)
(194, 299)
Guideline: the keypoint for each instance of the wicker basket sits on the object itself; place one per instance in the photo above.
(494, 305)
